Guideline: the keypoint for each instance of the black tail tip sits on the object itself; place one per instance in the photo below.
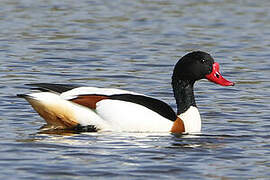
(22, 95)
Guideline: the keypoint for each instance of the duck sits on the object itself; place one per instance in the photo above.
(95, 109)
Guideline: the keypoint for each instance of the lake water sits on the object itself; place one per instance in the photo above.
(134, 45)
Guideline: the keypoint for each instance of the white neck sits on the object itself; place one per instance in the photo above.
(191, 119)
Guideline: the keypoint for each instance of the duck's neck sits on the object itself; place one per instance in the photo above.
(186, 105)
(184, 95)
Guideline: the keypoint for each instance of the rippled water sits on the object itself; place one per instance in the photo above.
(134, 45)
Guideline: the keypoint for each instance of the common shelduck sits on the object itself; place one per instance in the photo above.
(106, 109)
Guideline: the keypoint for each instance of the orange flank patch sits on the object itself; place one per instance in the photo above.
(89, 101)
(178, 126)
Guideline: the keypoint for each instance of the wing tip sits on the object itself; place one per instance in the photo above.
(59, 88)
(22, 95)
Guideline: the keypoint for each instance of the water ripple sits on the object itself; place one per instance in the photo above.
(133, 45)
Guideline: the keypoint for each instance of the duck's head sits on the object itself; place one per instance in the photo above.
(199, 65)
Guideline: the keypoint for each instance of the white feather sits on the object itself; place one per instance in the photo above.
(191, 119)
(131, 117)
(53, 103)
(93, 90)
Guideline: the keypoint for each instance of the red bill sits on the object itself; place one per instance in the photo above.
(217, 78)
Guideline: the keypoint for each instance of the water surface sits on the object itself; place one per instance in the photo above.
(134, 45)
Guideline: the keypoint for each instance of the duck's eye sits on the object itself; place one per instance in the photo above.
(203, 60)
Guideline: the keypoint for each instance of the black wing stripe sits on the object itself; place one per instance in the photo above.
(59, 88)
(155, 105)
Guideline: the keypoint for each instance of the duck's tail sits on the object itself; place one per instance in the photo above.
(60, 113)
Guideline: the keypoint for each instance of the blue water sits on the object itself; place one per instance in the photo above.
(134, 45)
